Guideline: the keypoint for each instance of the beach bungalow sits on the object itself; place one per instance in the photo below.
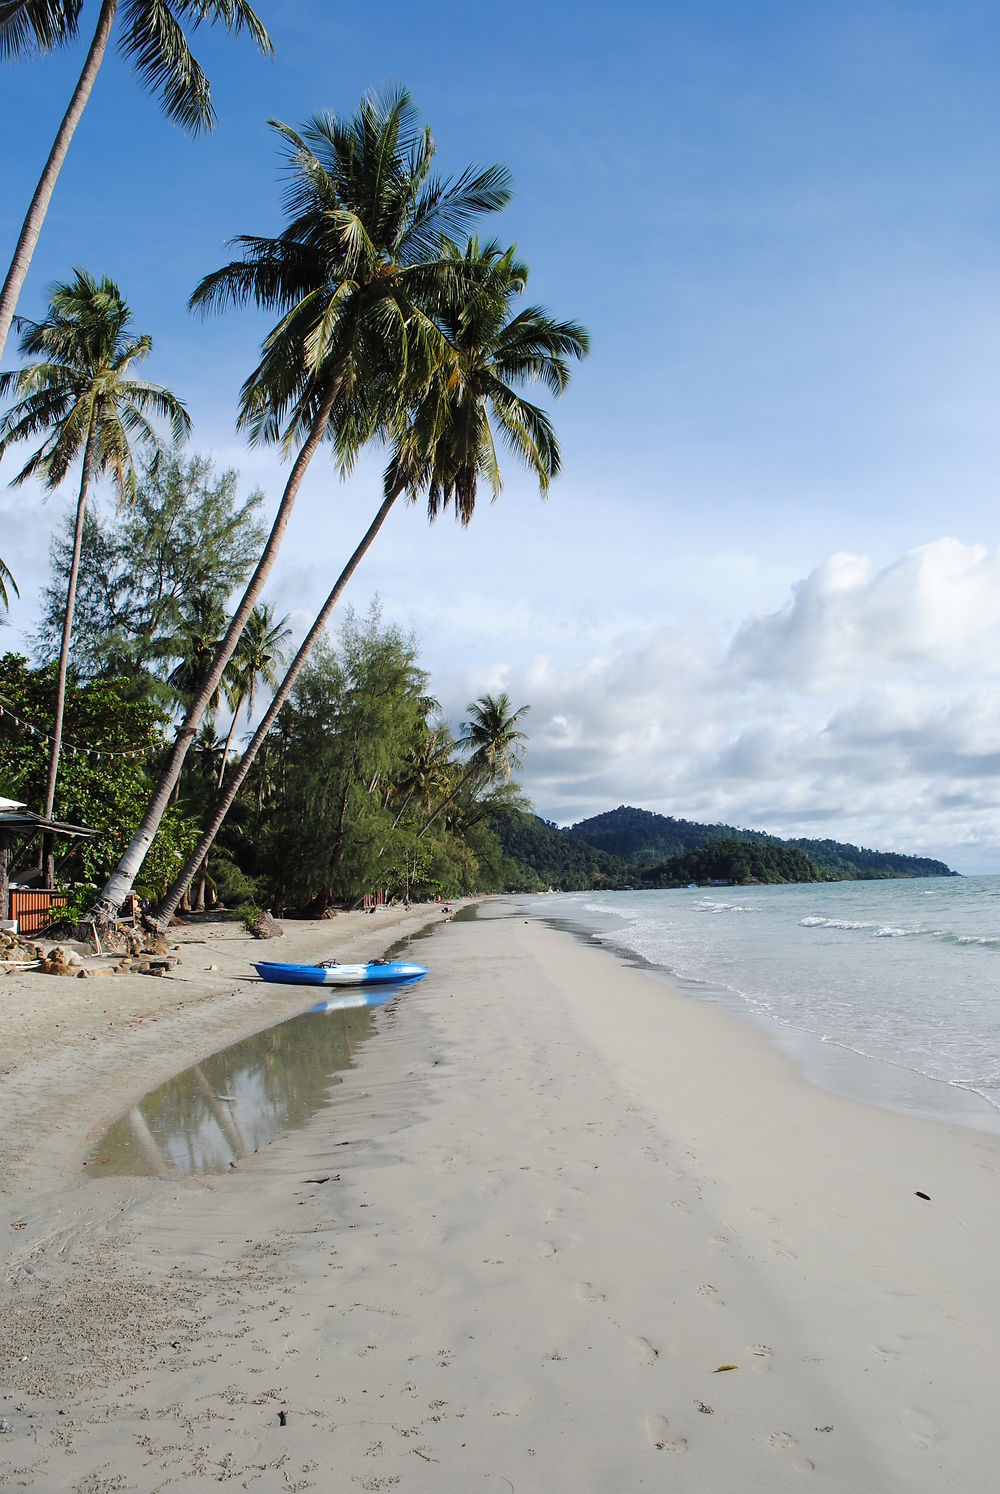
(27, 909)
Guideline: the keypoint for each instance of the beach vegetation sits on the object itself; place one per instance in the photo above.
(185, 534)
(111, 748)
(358, 280)
(81, 398)
(442, 428)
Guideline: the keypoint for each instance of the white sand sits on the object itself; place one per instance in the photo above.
(566, 1198)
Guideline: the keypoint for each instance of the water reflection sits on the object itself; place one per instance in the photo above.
(240, 1099)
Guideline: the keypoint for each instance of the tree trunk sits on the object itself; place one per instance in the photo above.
(225, 749)
(48, 867)
(165, 908)
(445, 802)
(38, 207)
(119, 884)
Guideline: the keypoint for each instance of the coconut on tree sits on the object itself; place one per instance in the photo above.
(444, 430)
(82, 399)
(151, 37)
(357, 279)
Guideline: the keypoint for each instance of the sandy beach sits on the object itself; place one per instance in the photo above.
(559, 1229)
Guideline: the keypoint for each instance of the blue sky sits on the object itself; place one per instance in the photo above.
(762, 590)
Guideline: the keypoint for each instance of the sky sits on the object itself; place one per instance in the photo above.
(765, 589)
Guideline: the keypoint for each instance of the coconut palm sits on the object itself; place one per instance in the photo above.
(151, 38)
(81, 398)
(496, 747)
(355, 277)
(194, 644)
(6, 579)
(258, 656)
(443, 443)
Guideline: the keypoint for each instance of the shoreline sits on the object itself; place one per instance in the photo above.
(521, 1245)
(824, 1061)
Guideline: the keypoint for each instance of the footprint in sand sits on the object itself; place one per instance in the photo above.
(921, 1427)
(709, 1292)
(658, 1432)
(643, 1351)
(544, 1249)
(588, 1293)
(763, 1355)
(785, 1442)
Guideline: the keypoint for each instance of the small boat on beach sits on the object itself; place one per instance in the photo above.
(374, 973)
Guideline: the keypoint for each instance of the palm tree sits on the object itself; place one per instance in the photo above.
(82, 398)
(194, 644)
(496, 746)
(257, 656)
(152, 39)
(356, 277)
(443, 443)
(6, 579)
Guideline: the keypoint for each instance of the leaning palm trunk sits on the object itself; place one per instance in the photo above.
(32, 226)
(229, 738)
(168, 904)
(448, 799)
(119, 884)
(57, 721)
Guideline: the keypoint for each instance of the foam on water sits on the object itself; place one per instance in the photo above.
(872, 969)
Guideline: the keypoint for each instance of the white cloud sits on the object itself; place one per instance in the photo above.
(935, 609)
(864, 710)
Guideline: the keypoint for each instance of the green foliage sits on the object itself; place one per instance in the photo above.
(6, 579)
(538, 856)
(357, 713)
(734, 861)
(150, 36)
(79, 395)
(186, 535)
(642, 837)
(107, 793)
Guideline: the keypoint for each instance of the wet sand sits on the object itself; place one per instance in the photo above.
(520, 1249)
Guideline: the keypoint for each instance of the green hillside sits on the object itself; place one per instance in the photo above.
(538, 855)
(641, 837)
(735, 861)
(629, 847)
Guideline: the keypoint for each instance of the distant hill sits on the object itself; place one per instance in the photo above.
(629, 847)
(538, 855)
(737, 862)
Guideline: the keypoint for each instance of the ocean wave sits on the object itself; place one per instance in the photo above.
(705, 905)
(835, 923)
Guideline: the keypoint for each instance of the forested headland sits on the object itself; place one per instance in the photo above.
(628, 847)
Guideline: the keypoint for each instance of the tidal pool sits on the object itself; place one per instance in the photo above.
(212, 1115)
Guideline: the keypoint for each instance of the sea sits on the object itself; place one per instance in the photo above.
(886, 991)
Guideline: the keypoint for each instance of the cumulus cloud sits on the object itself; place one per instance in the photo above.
(936, 608)
(865, 710)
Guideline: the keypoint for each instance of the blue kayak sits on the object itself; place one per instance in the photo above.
(375, 973)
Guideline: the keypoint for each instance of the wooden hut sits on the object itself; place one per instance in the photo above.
(30, 908)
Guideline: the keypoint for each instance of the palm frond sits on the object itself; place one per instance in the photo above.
(156, 46)
(28, 26)
(6, 579)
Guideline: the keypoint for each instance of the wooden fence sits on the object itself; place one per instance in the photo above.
(33, 907)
